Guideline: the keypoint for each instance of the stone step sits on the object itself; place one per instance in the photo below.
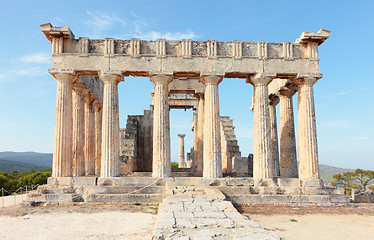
(255, 199)
(123, 189)
(125, 198)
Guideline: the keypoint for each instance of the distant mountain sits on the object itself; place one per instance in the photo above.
(326, 172)
(10, 166)
(41, 159)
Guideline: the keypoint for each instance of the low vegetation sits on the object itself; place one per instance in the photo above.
(10, 182)
(358, 180)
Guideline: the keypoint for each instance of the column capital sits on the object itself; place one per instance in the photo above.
(287, 92)
(111, 76)
(161, 79)
(211, 79)
(80, 87)
(261, 79)
(63, 75)
(89, 98)
(199, 95)
(181, 135)
(308, 80)
(273, 99)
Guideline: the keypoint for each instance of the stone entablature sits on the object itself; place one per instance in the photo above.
(184, 58)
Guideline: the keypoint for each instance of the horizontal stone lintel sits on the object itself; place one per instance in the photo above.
(181, 67)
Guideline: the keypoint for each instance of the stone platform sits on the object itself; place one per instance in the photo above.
(240, 191)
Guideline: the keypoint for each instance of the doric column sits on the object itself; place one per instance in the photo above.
(62, 145)
(262, 152)
(307, 132)
(274, 134)
(161, 127)
(110, 165)
(199, 133)
(212, 131)
(181, 150)
(79, 93)
(98, 129)
(89, 134)
(194, 137)
(288, 160)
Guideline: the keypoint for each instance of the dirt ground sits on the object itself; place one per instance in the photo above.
(78, 222)
(136, 222)
(294, 223)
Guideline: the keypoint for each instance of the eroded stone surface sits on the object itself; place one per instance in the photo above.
(202, 213)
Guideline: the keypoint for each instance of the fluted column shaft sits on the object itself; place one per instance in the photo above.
(212, 133)
(89, 134)
(288, 159)
(161, 127)
(181, 150)
(62, 145)
(200, 130)
(98, 130)
(110, 165)
(262, 152)
(274, 137)
(78, 130)
(194, 138)
(307, 132)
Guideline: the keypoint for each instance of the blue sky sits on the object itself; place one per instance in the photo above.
(343, 97)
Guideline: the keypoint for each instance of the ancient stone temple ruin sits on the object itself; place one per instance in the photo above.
(98, 161)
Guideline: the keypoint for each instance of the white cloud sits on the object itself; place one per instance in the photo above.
(362, 138)
(168, 35)
(343, 124)
(40, 57)
(135, 27)
(102, 20)
(31, 71)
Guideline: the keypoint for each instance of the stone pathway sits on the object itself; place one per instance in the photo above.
(193, 213)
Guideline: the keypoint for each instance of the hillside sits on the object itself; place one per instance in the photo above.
(10, 166)
(326, 172)
(41, 159)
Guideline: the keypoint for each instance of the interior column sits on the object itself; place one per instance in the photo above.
(274, 134)
(79, 92)
(288, 160)
(89, 134)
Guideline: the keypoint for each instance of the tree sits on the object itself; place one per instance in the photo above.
(358, 179)
(363, 176)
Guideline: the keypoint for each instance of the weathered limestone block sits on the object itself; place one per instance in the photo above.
(263, 161)
(240, 165)
(62, 146)
(229, 144)
(110, 124)
(212, 135)
(161, 127)
(307, 132)
(78, 129)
